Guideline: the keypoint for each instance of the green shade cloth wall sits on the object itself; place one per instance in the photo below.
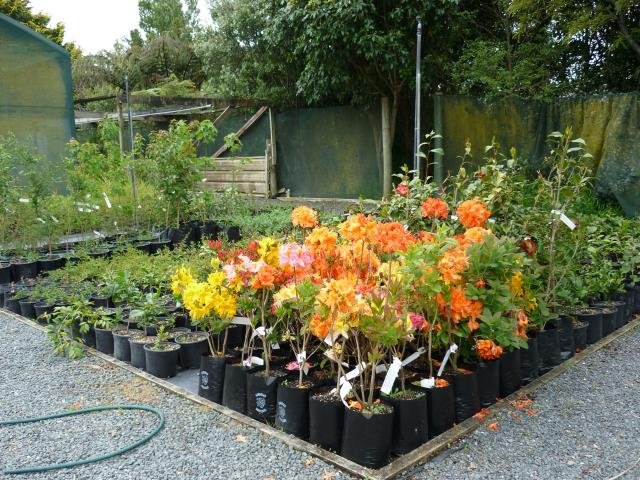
(36, 97)
(609, 124)
(331, 152)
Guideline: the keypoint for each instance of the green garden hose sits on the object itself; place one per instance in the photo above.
(97, 458)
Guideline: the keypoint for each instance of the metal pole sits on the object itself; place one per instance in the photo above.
(131, 164)
(417, 161)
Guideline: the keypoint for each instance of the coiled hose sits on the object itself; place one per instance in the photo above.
(82, 411)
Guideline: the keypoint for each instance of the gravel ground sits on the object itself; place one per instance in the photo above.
(196, 443)
(583, 425)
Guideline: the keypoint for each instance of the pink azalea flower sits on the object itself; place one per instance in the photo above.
(417, 321)
(295, 255)
(402, 189)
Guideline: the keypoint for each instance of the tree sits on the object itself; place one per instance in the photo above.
(599, 40)
(21, 11)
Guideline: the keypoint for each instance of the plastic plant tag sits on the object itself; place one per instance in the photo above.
(452, 349)
(329, 340)
(345, 388)
(241, 321)
(454, 217)
(301, 358)
(564, 219)
(23, 200)
(275, 346)
(106, 199)
(355, 372)
(253, 361)
(381, 368)
(428, 382)
(414, 356)
(391, 376)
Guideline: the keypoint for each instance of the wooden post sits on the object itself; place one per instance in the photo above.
(272, 180)
(386, 147)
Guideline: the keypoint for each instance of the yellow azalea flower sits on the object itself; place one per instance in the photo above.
(285, 294)
(216, 279)
(390, 271)
(340, 327)
(215, 262)
(199, 299)
(180, 279)
(515, 284)
(225, 305)
(268, 251)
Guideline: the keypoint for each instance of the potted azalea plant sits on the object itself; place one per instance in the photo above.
(161, 356)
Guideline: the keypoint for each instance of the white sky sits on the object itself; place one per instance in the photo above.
(95, 25)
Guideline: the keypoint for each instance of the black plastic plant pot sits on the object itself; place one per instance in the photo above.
(410, 424)
(488, 374)
(234, 393)
(636, 306)
(99, 253)
(465, 389)
(293, 409)
(610, 319)
(5, 273)
(593, 318)
(143, 246)
(192, 347)
(510, 372)
(442, 411)
(156, 246)
(209, 230)
(212, 370)
(121, 344)
(262, 396)
(43, 311)
(162, 363)
(3, 289)
(138, 354)
(89, 338)
(50, 263)
(21, 270)
(10, 303)
(366, 438)
(580, 335)
(233, 234)
(27, 309)
(529, 360)
(623, 298)
(100, 301)
(326, 421)
(565, 336)
(104, 340)
(549, 347)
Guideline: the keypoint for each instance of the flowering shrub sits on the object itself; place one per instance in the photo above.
(367, 292)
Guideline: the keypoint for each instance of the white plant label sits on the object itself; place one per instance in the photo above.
(381, 368)
(23, 200)
(253, 361)
(329, 340)
(330, 354)
(564, 219)
(301, 358)
(354, 373)
(345, 388)
(391, 376)
(414, 356)
(454, 218)
(452, 349)
(428, 382)
(106, 199)
(241, 321)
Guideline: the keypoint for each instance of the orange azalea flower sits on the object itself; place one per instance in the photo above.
(481, 283)
(360, 259)
(266, 277)
(476, 234)
(441, 383)
(435, 208)
(473, 213)
(321, 240)
(488, 350)
(319, 326)
(339, 295)
(460, 308)
(523, 322)
(452, 264)
(304, 217)
(358, 227)
(426, 237)
(392, 237)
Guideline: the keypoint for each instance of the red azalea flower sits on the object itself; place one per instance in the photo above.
(529, 245)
